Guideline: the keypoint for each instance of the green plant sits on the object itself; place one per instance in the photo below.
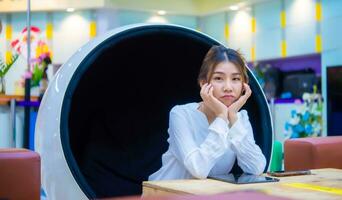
(39, 68)
(4, 67)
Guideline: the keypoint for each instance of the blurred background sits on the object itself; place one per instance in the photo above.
(293, 47)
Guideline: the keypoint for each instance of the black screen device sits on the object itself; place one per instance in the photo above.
(243, 178)
(289, 173)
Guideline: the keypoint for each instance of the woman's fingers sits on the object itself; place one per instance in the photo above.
(247, 87)
(205, 92)
(207, 89)
(237, 105)
(203, 88)
(211, 91)
(248, 90)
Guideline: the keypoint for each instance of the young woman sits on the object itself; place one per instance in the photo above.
(206, 138)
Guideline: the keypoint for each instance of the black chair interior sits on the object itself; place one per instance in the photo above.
(115, 111)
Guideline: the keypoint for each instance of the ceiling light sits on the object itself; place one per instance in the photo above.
(70, 9)
(161, 12)
(234, 7)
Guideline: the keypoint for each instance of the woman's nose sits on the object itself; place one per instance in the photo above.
(227, 86)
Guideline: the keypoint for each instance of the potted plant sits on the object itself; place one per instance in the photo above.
(306, 121)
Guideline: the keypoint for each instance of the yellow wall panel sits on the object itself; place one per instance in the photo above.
(253, 53)
(8, 32)
(253, 24)
(49, 31)
(226, 31)
(282, 19)
(92, 32)
(318, 11)
(318, 43)
(283, 48)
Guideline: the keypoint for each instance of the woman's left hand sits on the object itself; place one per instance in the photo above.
(237, 105)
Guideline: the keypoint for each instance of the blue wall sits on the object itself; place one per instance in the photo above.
(332, 40)
(300, 28)
(213, 25)
(268, 31)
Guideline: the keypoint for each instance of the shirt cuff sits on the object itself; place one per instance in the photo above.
(219, 126)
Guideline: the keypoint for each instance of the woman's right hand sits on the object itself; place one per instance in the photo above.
(219, 109)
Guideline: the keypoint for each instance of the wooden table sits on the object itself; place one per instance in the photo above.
(322, 184)
(5, 99)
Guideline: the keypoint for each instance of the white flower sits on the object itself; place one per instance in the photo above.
(295, 120)
(316, 128)
(314, 106)
(302, 109)
(317, 113)
(306, 96)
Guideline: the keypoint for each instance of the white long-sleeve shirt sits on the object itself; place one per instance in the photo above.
(198, 149)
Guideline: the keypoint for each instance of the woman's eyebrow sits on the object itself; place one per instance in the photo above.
(233, 74)
(236, 74)
(218, 72)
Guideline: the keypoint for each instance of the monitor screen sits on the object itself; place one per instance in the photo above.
(334, 100)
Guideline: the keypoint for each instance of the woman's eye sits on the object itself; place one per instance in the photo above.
(217, 78)
(236, 79)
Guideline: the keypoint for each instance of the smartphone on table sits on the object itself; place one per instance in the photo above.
(289, 173)
(243, 178)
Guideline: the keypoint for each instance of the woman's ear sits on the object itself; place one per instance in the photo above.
(202, 82)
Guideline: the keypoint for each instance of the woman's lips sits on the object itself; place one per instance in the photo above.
(228, 97)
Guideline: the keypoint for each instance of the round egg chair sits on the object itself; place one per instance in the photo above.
(102, 124)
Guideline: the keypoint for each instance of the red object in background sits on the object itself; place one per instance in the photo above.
(315, 153)
(33, 29)
(19, 174)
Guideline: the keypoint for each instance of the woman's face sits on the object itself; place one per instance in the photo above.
(227, 83)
